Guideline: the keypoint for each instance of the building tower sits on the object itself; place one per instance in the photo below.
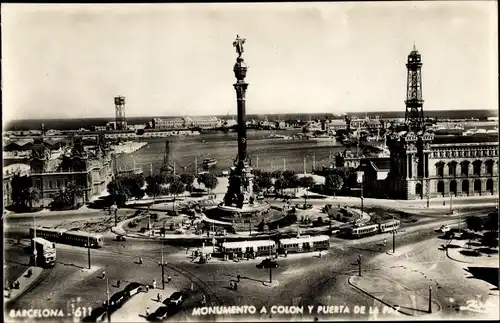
(414, 117)
(410, 149)
(120, 120)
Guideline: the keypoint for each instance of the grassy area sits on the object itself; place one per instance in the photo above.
(379, 214)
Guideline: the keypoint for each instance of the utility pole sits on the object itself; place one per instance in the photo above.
(257, 162)
(314, 161)
(35, 253)
(88, 247)
(359, 265)
(427, 190)
(270, 267)
(107, 296)
(430, 300)
(162, 264)
(393, 241)
(451, 202)
(305, 166)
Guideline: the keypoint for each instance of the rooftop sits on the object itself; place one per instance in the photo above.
(475, 139)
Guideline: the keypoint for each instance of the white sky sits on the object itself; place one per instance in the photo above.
(62, 61)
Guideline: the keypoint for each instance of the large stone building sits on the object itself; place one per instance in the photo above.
(91, 169)
(424, 165)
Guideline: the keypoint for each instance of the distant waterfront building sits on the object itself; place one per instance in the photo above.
(90, 169)
(172, 123)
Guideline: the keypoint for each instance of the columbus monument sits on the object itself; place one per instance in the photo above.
(239, 198)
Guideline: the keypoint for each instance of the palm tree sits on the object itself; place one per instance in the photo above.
(31, 194)
(74, 191)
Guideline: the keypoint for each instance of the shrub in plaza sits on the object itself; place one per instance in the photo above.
(474, 223)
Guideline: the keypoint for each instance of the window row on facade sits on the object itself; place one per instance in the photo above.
(463, 187)
(465, 153)
(463, 168)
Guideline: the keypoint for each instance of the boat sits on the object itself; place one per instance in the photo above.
(323, 138)
(209, 162)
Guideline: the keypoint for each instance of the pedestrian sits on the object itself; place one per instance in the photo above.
(203, 299)
(169, 279)
(158, 297)
(147, 311)
(140, 260)
(231, 284)
(154, 283)
(192, 286)
(235, 286)
(238, 277)
(118, 283)
(320, 254)
(385, 242)
(103, 275)
(286, 253)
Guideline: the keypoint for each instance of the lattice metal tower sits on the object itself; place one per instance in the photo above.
(120, 120)
(414, 117)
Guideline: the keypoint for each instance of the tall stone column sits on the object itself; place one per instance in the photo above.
(240, 181)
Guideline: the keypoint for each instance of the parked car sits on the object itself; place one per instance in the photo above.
(120, 238)
(116, 300)
(268, 263)
(175, 299)
(160, 314)
(134, 288)
(97, 315)
(335, 231)
(444, 228)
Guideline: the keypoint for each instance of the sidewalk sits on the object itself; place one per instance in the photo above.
(482, 260)
(393, 295)
(24, 283)
(134, 310)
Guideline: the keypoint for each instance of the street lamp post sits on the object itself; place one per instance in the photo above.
(427, 190)
(270, 267)
(451, 202)
(88, 247)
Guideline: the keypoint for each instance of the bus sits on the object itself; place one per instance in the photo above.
(43, 252)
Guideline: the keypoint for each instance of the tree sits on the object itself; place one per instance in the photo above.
(31, 195)
(153, 187)
(210, 181)
(176, 188)
(333, 182)
(474, 223)
(188, 180)
(492, 221)
(73, 191)
(306, 182)
(118, 192)
(264, 181)
(490, 239)
(20, 185)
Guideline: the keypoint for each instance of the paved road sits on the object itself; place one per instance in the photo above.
(303, 280)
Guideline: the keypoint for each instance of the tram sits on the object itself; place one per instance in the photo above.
(254, 247)
(76, 238)
(304, 244)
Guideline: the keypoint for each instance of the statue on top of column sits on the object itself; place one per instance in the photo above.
(238, 43)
